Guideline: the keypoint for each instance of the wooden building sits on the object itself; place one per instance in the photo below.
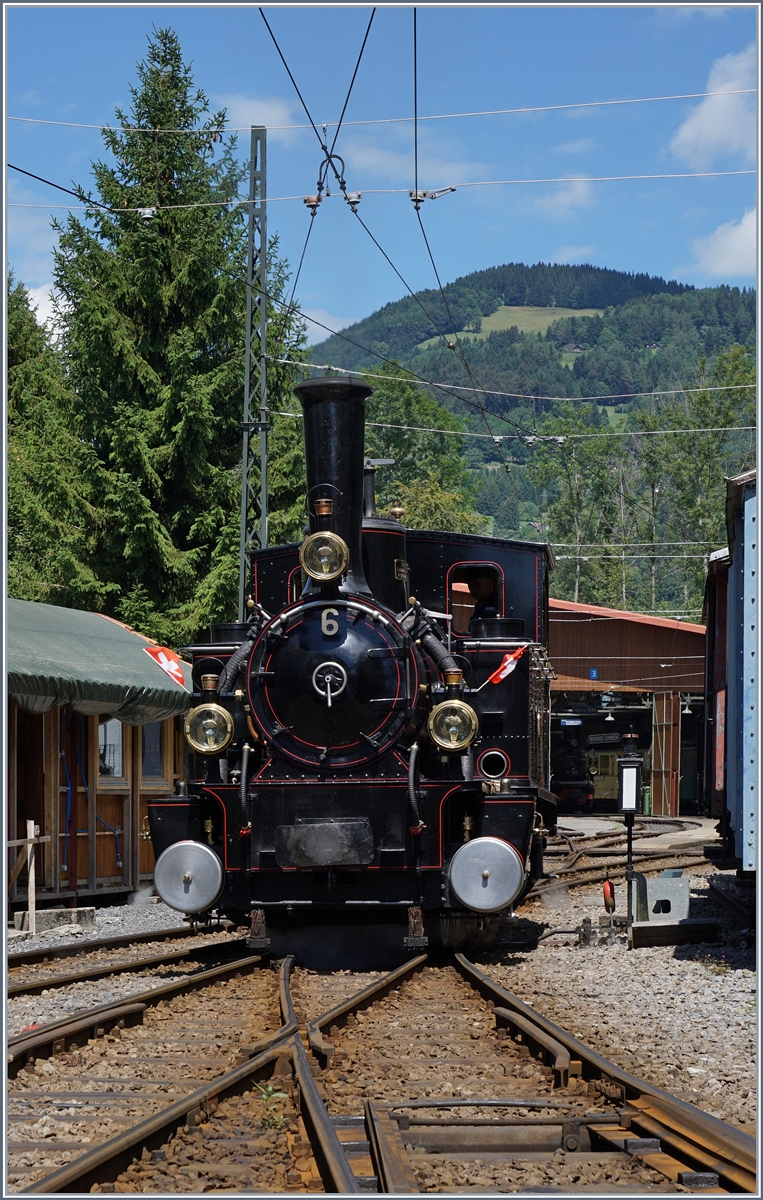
(94, 730)
(621, 673)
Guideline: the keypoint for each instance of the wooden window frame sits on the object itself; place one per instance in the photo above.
(120, 783)
(158, 783)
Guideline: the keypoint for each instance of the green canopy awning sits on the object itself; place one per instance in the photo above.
(94, 664)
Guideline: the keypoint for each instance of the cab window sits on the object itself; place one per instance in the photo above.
(474, 592)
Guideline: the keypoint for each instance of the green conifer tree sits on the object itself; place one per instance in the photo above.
(51, 519)
(151, 308)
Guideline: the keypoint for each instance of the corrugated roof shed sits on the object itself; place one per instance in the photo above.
(625, 651)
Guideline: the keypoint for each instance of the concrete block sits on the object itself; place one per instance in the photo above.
(15, 936)
(671, 933)
(668, 898)
(55, 918)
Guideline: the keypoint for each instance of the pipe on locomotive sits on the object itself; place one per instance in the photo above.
(334, 430)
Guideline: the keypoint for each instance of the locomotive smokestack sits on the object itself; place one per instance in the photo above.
(334, 426)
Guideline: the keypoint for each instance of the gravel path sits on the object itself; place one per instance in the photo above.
(681, 1017)
(140, 916)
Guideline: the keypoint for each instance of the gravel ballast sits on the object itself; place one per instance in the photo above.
(26, 1012)
(140, 916)
(681, 1017)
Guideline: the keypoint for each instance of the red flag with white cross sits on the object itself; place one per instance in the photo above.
(169, 662)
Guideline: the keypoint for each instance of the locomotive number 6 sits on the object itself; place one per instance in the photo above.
(329, 627)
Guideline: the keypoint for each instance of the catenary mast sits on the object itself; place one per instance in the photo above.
(254, 523)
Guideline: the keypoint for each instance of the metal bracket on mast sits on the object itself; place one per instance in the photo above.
(254, 516)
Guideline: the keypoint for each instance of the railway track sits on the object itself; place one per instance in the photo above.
(25, 958)
(34, 978)
(581, 858)
(429, 1078)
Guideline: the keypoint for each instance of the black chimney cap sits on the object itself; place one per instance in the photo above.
(333, 388)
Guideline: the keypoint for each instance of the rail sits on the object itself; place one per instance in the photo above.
(670, 1134)
(717, 1146)
(46, 1036)
(30, 957)
(33, 987)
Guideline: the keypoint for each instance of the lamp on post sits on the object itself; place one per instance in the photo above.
(629, 798)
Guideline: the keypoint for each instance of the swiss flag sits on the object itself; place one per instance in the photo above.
(169, 662)
(507, 666)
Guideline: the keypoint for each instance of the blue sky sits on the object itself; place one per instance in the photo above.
(75, 64)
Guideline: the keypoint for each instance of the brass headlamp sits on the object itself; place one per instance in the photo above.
(324, 556)
(209, 728)
(453, 725)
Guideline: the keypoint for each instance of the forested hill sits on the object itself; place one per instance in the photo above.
(399, 327)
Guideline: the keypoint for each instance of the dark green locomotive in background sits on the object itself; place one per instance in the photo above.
(359, 784)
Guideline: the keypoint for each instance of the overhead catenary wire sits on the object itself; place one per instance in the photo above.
(458, 345)
(330, 162)
(293, 80)
(468, 433)
(446, 388)
(449, 387)
(353, 208)
(412, 376)
(503, 437)
(69, 192)
(330, 152)
(456, 387)
(474, 388)
(490, 112)
(241, 201)
(352, 81)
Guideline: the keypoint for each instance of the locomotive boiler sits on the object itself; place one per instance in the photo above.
(368, 752)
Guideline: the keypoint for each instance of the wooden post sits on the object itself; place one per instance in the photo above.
(31, 885)
(132, 808)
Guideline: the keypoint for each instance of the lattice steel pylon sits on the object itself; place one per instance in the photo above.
(254, 516)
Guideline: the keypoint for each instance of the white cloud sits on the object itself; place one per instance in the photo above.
(315, 333)
(29, 99)
(578, 146)
(720, 126)
(730, 250)
(395, 167)
(567, 198)
(30, 237)
(673, 14)
(270, 111)
(42, 301)
(568, 254)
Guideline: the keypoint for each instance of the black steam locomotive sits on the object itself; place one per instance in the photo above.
(369, 752)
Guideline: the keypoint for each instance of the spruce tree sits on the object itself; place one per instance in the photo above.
(51, 517)
(151, 309)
